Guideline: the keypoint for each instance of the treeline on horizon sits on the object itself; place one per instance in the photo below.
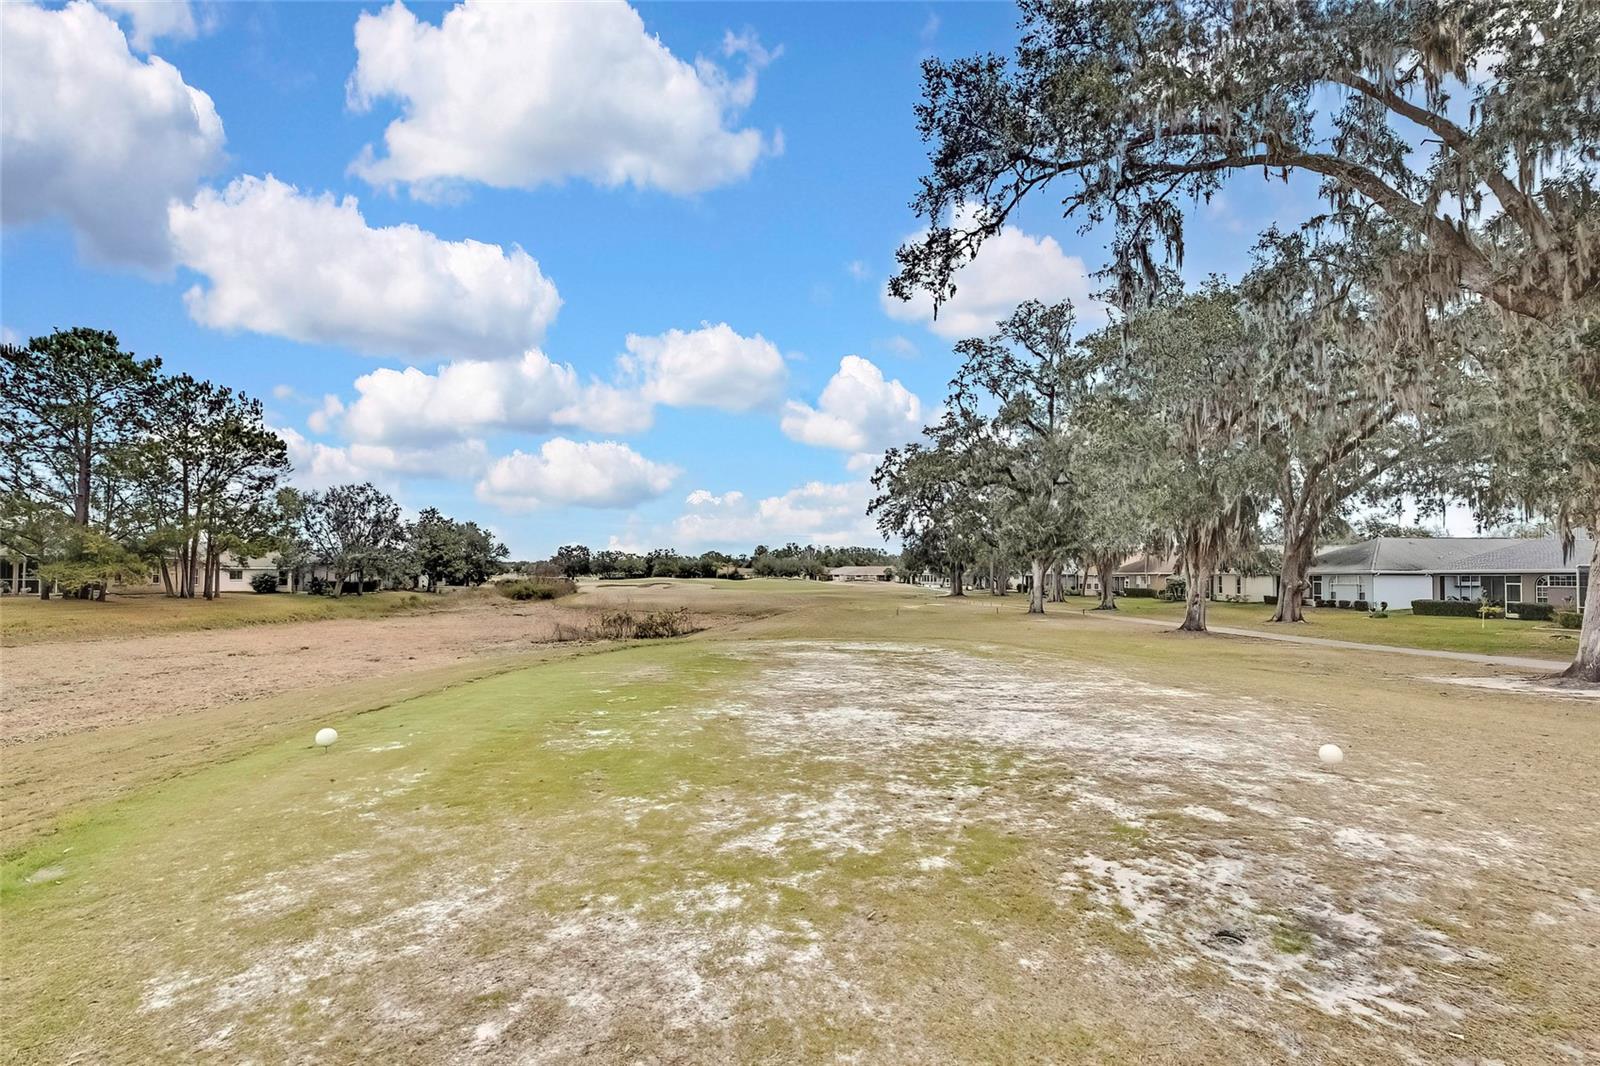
(791, 560)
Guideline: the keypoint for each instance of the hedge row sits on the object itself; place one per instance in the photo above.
(1535, 612)
(1140, 594)
(1447, 608)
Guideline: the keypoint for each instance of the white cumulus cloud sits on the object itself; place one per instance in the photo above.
(309, 268)
(816, 512)
(318, 465)
(709, 367)
(567, 472)
(92, 134)
(153, 19)
(1010, 267)
(516, 95)
(712, 366)
(858, 411)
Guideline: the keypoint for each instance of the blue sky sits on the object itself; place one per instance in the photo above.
(724, 183)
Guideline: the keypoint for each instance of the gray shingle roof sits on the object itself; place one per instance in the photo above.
(1421, 555)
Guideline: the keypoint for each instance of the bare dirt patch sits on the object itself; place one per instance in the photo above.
(52, 690)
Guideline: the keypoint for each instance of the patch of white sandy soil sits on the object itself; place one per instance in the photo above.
(1350, 915)
(1359, 894)
(1527, 686)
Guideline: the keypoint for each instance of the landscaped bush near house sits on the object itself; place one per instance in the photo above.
(1490, 610)
(1535, 612)
(1270, 601)
(1140, 594)
(1446, 608)
(1344, 605)
(319, 586)
(265, 582)
(1569, 619)
(1358, 605)
(537, 588)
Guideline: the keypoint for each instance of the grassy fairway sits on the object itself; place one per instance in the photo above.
(1540, 640)
(876, 826)
(29, 620)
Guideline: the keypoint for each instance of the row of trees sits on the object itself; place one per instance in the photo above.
(791, 560)
(1433, 331)
(115, 470)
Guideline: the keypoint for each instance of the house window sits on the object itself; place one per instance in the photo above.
(235, 575)
(283, 578)
(1238, 586)
(1554, 581)
(1469, 587)
(1316, 588)
(1514, 589)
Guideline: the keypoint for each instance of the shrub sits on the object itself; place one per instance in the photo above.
(1140, 594)
(659, 624)
(266, 581)
(1445, 608)
(319, 586)
(537, 588)
(615, 625)
(1569, 619)
(1344, 605)
(1535, 612)
(1359, 605)
(1489, 610)
(1270, 601)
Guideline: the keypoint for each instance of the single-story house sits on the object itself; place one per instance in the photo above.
(861, 573)
(1503, 570)
(1154, 572)
(19, 575)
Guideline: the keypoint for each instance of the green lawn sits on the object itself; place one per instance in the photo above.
(1543, 640)
(28, 620)
(875, 825)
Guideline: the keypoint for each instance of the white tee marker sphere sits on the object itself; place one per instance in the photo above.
(325, 738)
(1330, 754)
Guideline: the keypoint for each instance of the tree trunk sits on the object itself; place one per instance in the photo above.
(1058, 591)
(1292, 580)
(1194, 616)
(80, 499)
(1036, 588)
(994, 587)
(1586, 664)
(955, 580)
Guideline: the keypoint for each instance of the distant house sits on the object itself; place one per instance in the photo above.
(1154, 572)
(1503, 570)
(860, 573)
